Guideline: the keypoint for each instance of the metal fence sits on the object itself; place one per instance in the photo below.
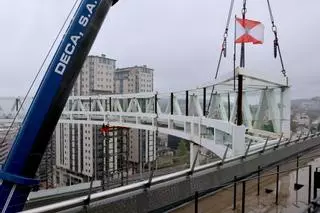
(154, 181)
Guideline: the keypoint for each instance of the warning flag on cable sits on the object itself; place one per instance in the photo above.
(249, 31)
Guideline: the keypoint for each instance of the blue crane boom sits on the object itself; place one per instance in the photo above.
(18, 173)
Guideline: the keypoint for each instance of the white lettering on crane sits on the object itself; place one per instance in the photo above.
(90, 7)
(71, 46)
(66, 55)
(75, 39)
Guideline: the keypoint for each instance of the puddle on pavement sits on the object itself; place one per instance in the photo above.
(290, 201)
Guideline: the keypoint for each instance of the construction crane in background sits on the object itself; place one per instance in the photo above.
(18, 173)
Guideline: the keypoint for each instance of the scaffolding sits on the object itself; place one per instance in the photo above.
(151, 148)
(112, 154)
(45, 170)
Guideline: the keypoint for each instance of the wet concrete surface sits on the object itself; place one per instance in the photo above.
(290, 201)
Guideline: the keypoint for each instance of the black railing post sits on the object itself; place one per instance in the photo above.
(187, 103)
(297, 178)
(235, 193)
(239, 103)
(314, 185)
(196, 200)
(204, 101)
(297, 171)
(229, 107)
(309, 187)
(243, 197)
(156, 104)
(171, 102)
(277, 186)
(258, 193)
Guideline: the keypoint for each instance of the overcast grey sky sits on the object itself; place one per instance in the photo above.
(180, 39)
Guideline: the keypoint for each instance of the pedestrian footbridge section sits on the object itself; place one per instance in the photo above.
(206, 116)
(215, 135)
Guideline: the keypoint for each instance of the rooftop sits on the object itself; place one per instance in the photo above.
(129, 68)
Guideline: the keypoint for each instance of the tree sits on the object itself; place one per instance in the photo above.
(268, 127)
(182, 148)
(294, 126)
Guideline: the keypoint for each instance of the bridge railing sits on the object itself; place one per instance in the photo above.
(80, 202)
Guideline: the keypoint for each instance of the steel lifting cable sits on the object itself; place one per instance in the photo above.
(223, 49)
(244, 9)
(276, 40)
(225, 36)
(38, 73)
(242, 56)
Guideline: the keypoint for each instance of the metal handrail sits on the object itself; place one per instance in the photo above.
(76, 202)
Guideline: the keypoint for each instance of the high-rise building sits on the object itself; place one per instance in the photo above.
(133, 80)
(96, 77)
(82, 152)
(137, 79)
(76, 143)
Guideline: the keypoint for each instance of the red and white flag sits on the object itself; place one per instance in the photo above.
(249, 31)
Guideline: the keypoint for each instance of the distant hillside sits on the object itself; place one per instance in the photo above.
(306, 104)
(309, 106)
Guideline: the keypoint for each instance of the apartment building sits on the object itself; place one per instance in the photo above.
(137, 79)
(76, 144)
(82, 152)
(133, 80)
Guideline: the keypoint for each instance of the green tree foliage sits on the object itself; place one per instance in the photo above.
(268, 127)
(182, 148)
(293, 126)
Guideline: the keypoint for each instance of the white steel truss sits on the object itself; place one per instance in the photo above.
(204, 117)
(138, 111)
